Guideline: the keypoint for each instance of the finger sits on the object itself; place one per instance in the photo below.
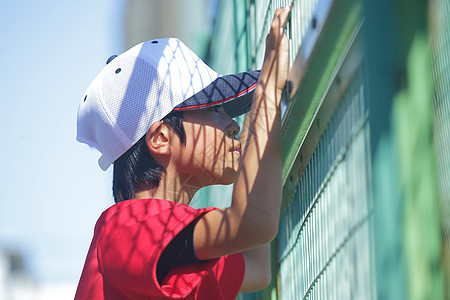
(281, 16)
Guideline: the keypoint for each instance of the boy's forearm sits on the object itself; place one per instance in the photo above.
(258, 186)
(257, 190)
(257, 269)
(252, 218)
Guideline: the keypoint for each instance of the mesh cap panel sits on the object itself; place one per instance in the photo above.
(131, 102)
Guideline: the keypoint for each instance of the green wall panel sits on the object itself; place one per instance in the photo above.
(366, 168)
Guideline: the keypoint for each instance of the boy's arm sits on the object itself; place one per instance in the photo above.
(252, 219)
(257, 269)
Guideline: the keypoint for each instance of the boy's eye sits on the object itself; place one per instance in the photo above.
(215, 108)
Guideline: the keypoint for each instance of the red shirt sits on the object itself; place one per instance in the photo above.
(128, 240)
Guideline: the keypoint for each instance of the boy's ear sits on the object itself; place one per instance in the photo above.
(157, 138)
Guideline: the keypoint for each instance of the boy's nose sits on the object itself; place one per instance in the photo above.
(233, 129)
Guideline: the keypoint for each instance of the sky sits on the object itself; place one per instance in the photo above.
(52, 190)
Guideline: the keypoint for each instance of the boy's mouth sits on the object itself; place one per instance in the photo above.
(236, 149)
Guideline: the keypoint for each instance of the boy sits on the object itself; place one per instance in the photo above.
(164, 119)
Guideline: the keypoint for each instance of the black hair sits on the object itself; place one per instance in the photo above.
(136, 169)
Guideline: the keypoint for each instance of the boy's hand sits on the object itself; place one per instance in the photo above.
(276, 60)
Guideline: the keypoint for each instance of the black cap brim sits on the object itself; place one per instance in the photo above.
(234, 92)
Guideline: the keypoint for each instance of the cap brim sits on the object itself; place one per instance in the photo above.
(234, 92)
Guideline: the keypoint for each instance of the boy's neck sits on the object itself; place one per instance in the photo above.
(177, 189)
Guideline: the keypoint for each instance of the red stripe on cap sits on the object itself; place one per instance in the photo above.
(217, 102)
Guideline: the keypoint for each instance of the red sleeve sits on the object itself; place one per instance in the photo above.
(132, 241)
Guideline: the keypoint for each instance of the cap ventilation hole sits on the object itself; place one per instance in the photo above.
(111, 58)
(154, 42)
(85, 97)
(118, 70)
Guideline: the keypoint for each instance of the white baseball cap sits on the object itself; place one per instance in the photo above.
(143, 85)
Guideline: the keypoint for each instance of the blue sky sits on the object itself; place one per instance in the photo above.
(52, 190)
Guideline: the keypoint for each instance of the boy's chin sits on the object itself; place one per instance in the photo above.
(228, 177)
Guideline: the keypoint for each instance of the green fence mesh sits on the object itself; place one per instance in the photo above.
(324, 238)
(440, 37)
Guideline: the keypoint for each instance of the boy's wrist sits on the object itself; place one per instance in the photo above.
(269, 90)
(266, 101)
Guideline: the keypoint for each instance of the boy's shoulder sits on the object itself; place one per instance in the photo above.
(157, 213)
